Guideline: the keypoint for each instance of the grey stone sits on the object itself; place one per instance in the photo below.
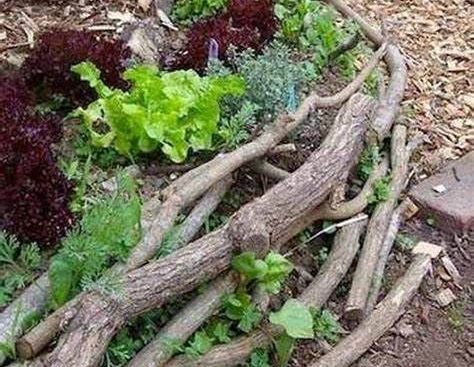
(453, 208)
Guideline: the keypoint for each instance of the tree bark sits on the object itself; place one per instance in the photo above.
(255, 227)
(384, 316)
(377, 228)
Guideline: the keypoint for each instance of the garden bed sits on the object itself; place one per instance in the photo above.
(239, 138)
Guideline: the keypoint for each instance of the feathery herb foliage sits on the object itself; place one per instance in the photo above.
(18, 265)
(106, 234)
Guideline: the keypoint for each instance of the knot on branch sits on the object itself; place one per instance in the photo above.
(249, 233)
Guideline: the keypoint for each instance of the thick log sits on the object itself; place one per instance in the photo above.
(378, 322)
(344, 249)
(377, 228)
(255, 227)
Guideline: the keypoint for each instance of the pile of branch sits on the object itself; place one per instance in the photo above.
(86, 325)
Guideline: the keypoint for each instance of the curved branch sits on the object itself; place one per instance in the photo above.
(390, 104)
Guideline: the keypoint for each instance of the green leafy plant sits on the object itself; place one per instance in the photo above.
(259, 358)
(220, 331)
(239, 307)
(106, 234)
(192, 10)
(274, 80)
(405, 242)
(173, 111)
(269, 273)
(381, 191)
(312, 25)
(199, 344)
(295, 318)
(325, 326)
(18, 265)
(369, 158)
(234, 130)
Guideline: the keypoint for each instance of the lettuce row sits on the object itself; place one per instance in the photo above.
(172, 111)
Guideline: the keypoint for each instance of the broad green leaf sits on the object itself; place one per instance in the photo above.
(295, 318)
(278, 269)
(91, 74)
(61, 275)
(246, 264)
(284, 345)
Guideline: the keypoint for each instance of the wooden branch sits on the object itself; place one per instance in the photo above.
(357, 204)
(254, 227)
(374, 326)
(184, 323)
(377, 228)
(344, 211)
(282, 148)
(397, 219)
(344, 249)
(390, 105)
(267, 169)
(354, 86)
(33, 298)
(350, 43)
(203, 209)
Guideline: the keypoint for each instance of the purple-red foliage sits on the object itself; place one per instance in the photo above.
(34, 193)
(49, 64)
(245, 24)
